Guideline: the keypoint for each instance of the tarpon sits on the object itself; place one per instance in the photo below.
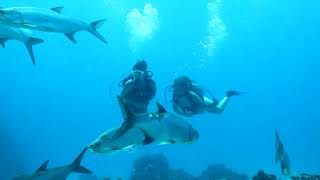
(128, 142)
(48, 20)
(161, 126)
(282, 156)
(59, 173)
(12, 33)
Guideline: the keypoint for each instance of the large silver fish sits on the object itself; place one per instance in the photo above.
(128, 142)
(59, 173)
(12, 33)
(161, 126)
(48, 20)
(282, 156)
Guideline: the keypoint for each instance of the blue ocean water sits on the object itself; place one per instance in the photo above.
(268, 49)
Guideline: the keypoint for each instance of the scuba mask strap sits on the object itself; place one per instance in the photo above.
(168, 88)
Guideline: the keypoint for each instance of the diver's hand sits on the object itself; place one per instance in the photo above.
(233, 93)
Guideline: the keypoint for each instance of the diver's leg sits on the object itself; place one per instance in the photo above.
(213, 107)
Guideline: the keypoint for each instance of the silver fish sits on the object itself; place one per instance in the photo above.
(48, 20)
(59, 173)
(13, 33)
(161, 126)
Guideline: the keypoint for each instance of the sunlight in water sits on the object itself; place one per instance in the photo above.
(142, 26)
(217, 32)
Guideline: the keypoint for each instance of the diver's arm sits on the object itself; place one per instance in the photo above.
(125, 81)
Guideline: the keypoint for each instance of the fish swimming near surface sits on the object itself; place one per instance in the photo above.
(13, 33)
(48, 20)
(282, 156)
(161, 126)
(59, 173)
(129, 142)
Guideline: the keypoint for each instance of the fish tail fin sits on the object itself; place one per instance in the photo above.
(29, 44)
(93, 29)
(128, 117)
(76, 163)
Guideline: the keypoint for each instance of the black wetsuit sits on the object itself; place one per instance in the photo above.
(138, 94)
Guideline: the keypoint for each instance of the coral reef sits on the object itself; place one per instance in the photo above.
(306, 177)
(219, 171)
(151, 167)
(156, 167)
(180, 174)
(261, 175)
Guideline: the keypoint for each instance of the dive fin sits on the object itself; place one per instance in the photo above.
(76, 163)
(161, 109)
(128, 117)
(43, 167)
(93, 29)
(232, 93)
(32, 41)
(70, 36)
(57, 9)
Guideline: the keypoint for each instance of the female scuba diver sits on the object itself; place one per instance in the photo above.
(138, 88)
(189, 99)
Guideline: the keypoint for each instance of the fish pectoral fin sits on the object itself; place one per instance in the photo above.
(57, 9)
(70, 36)
(147, 140)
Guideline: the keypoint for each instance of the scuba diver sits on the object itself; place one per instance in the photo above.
(138, 88)
(189, 98)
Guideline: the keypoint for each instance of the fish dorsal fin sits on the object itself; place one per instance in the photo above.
(126, 112)
(161, 109)
(57, 9)
(43, 167)
(128, 117)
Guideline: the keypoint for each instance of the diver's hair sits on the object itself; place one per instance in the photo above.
(140, 65)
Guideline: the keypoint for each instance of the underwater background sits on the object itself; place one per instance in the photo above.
(267, 48)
